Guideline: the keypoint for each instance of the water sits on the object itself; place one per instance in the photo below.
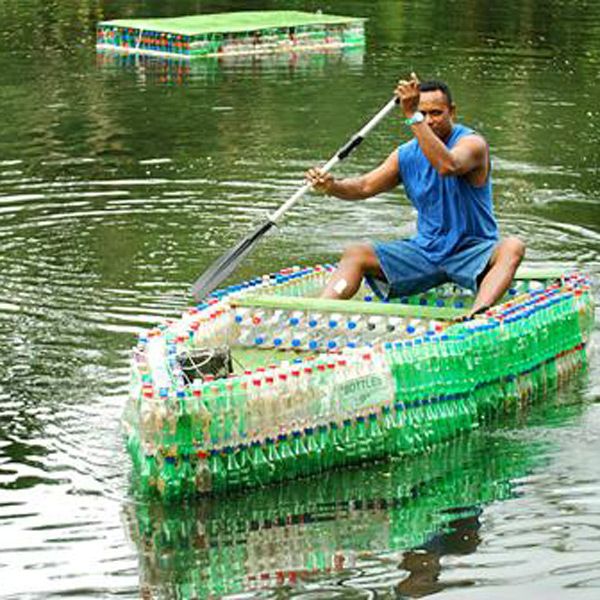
(121, 180)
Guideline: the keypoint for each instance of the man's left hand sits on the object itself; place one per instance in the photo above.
(409, 94)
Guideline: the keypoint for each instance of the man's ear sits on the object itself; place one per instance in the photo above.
(453, 111)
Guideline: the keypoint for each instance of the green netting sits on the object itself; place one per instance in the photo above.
(231, 22)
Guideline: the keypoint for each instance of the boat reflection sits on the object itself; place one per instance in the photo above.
(180, 70)
(407, 514)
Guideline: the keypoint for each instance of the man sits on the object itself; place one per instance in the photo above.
(445, 170)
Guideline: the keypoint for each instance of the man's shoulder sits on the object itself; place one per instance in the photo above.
(459, 130)
(409, 146)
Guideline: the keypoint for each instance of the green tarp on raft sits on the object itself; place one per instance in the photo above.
(231, 22)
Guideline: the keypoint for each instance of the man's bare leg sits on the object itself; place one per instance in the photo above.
(502, 266)
(356, 262)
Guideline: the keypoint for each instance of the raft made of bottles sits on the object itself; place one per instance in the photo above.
(236, 33)
(319, 384)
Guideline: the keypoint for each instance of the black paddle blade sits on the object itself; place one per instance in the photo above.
(226, 264)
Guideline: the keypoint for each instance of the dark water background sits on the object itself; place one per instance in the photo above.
(122, 179)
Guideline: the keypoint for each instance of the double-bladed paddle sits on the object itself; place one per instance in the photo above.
(228, 262)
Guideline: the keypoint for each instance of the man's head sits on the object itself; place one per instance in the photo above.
(436, 104)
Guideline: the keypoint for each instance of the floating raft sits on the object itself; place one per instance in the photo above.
(237, 33)
(315, 384)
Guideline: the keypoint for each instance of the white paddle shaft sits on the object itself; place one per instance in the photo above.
(334, 160)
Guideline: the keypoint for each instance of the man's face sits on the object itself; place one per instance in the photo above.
(438, 114)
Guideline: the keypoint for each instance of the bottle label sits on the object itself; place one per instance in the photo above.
(364, 391)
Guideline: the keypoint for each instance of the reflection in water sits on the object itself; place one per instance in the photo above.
(424, 564)
(409, 513)
(118, 187)
(180, 71)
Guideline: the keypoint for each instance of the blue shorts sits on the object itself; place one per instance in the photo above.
(408, 270)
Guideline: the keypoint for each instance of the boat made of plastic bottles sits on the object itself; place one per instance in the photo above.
(266, 381)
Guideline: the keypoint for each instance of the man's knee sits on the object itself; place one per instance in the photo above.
(513, 250)
(361, 256)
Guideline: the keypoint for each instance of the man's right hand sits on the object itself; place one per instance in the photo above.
(408, 92)
(322, 182)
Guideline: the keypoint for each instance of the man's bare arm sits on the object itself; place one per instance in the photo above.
(381, 179)
(468, 155)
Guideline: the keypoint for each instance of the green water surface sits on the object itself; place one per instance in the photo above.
(123, 178)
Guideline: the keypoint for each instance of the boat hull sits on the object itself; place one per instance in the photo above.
(318, 385)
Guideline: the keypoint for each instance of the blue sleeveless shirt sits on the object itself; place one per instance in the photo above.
(452, 213)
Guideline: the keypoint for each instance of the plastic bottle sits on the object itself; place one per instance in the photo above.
(171, 479)
(255, 408)
(326, 449)
(149, 471)
(232, 471)
(274, 459)
(202, 472)
(361, 439)
(244, 465)
(300, 454)
(262, 468)
(348, 442)
(289, 468)
(339, 457)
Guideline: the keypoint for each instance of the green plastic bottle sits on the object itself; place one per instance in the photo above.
(363, 446)
(313, 451)
(348, 442)
(301, 454)
(262, 469)
(244, 464)
(232, 469)
(274, 460)
(376, 435)
(326, 449)
(170, 477)
(218, 475)
(289, 468)
(186, 476)
(338, 451)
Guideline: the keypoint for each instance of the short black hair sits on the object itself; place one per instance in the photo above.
(432, 85)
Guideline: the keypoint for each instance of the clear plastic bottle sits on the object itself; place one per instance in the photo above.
(202, 472)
